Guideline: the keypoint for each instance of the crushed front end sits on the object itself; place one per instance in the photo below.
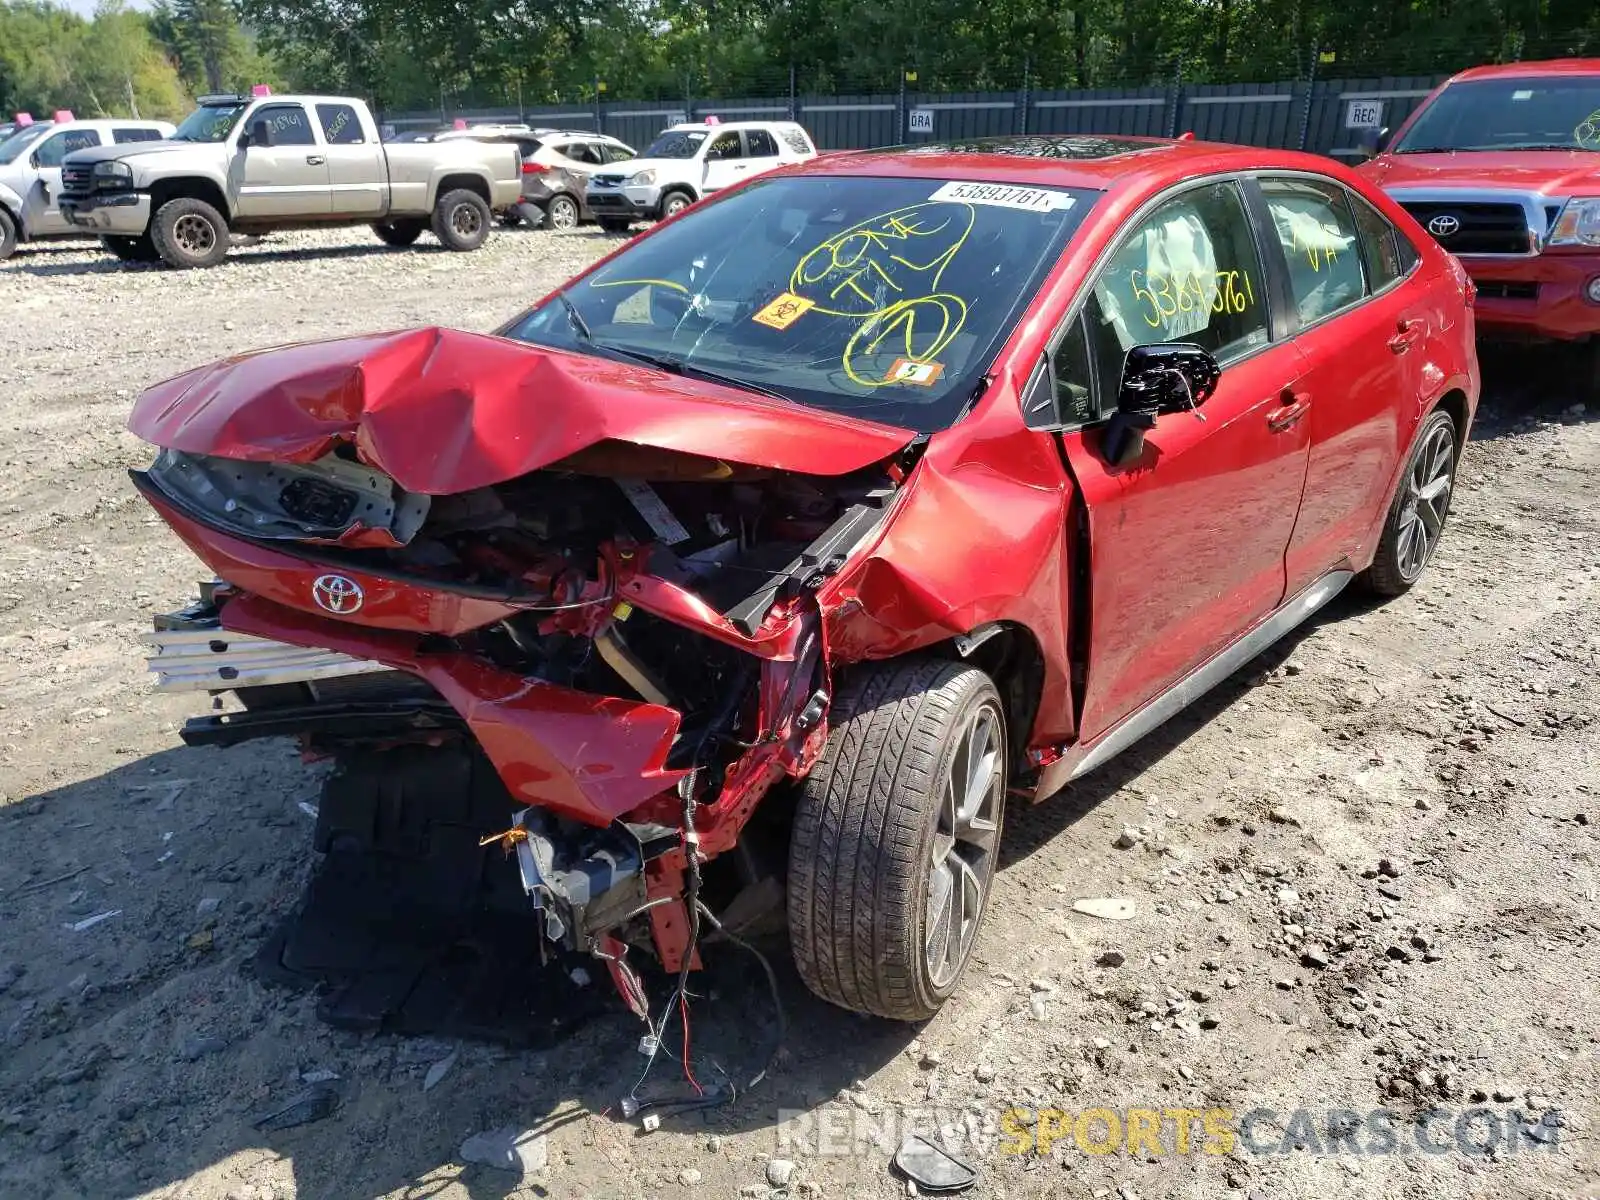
(563, 687)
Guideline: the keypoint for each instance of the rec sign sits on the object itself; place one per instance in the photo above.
(1363, 114)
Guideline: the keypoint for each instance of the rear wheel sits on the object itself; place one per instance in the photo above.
(1417, 513)
(561, 213)
(895, 837)
(189, 233)
(8, 235)
(131, 249)
(399, 233)
(461, 220)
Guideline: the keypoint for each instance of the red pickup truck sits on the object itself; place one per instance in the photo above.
(1502, 166)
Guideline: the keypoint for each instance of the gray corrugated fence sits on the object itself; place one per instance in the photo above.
(1289, 115)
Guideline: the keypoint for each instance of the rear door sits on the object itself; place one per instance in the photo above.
(356, 171)
(1362, 330)
(1187, 542)
(289, 178)
(40, 216)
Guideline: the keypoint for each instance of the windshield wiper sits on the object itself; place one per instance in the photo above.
(1541, 146)
(1432, 149)
(677, 366)
(573, 315)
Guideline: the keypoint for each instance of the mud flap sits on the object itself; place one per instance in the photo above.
(409, 926)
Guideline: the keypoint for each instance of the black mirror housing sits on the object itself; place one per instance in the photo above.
(259, 134)
(1167, 377)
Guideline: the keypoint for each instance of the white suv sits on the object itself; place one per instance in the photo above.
(690, 161)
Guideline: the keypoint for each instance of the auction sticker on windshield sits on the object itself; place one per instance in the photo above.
(784, 311)
(1003, 195)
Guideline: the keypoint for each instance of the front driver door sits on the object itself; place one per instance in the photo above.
(289, 177)
(1187, 542)
(41, 216)
(725, 161)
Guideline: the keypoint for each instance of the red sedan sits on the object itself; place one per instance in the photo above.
(771, 557)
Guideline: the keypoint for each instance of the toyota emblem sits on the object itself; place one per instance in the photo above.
(1444, 225)
(337, 594)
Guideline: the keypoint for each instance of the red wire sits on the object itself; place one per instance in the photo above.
(683, 1007)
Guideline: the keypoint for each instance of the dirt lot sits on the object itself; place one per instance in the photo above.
(1363, 872)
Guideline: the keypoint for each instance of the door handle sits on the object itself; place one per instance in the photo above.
(1407, 334)
(1291, 408)
(315, 160)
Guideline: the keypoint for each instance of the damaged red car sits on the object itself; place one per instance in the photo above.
(758, 568)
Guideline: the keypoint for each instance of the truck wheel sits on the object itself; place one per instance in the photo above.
(895, 837)
(131, 249)
(461, 220)
(8, 235)
(1418, 510)
(615, 224)
(674, 203)
(561, 213)
(399, 233)
(189, 233)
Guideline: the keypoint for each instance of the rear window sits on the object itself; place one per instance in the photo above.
(795, 138)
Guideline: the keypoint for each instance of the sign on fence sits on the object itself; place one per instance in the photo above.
(677, 118)
(1363, 114)
(920, 120)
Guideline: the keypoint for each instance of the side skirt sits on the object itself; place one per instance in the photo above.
(1083, 759)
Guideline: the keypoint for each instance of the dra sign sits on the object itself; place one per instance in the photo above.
(1363, 114)
(920, 120)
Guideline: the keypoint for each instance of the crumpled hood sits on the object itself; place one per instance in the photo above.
(1548, 172)
(442, 411)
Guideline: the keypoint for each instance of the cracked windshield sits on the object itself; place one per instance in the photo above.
(879, 298)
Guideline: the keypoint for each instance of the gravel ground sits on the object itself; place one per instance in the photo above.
(1362, 874)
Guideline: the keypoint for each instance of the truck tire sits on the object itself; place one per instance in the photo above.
(890, 865)
(189, 233)
(615, 224)
(461, 220)
(131, 249)
(399, 233)
(8, 235)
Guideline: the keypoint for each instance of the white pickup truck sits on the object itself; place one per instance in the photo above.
(253, 164)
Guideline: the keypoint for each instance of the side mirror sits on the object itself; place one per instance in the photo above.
(259, 134)
(1372, 142)
(1385, 136)
(1157, 379)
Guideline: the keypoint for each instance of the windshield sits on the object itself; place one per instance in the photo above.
(880, 298)
(676, 144)
(211, 123)
(17, 144)
(1552, 113)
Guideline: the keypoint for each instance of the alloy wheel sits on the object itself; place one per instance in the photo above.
(1427, 501)
(964, 844)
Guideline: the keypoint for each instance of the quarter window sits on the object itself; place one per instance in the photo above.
(340, 125)
(54, 149)
(1189, 272)
(759, 144)
(1318, 234)
(1380, 246)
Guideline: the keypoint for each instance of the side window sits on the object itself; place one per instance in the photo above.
(340, 125)
(121, 136)
(1074, 399)
(724, 146)
(1189, 272)
(53, 149)
(616, 153)
(288, 124)
(1380, 245)
(759, 144)
(584, 152)
(1318, 235)
(795, 138)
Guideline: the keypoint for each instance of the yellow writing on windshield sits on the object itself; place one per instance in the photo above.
(1587, 134)
(886, 271)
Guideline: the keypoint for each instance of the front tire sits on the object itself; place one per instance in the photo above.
(399, 234)
(1419, 508)
(140, 249)
(461, 220)
(674, 203)
(189, 233)
(8, 235)
(895, 837)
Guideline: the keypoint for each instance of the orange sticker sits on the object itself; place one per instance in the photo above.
(784, 311)
(922, 374)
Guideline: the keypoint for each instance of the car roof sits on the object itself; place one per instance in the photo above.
(698, 125)
(1064, 160)
(1549, 68)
